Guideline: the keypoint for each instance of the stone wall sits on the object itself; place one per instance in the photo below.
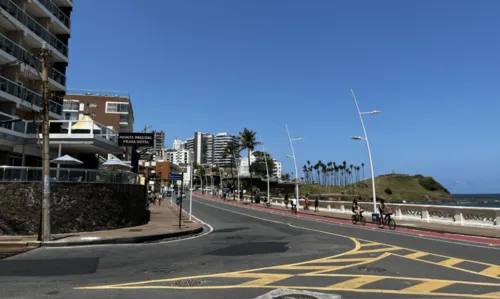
(75, 207)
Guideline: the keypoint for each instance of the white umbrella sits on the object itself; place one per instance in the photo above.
(116, 164)
(66, 160)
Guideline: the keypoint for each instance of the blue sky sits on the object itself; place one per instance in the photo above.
(430, 66)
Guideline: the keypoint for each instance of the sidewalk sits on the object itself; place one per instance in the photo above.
(164, 224)
(402, 225)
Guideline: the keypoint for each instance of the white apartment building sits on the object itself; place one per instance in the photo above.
(178, 157)
(209, 148)
(220, 142)
(178, 144)
(276, 173)
(24, 27)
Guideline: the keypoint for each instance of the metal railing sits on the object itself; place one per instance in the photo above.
(76, 127)
(56, 12)
(27, 95)
(104, 93)
(24, 56)
(34, 26)
(19, 126)
(71, 106)
(34, 174)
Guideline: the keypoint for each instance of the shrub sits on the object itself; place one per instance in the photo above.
(388, 191)
(430, 184)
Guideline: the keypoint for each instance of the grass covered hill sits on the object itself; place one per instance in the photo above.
(391, 187)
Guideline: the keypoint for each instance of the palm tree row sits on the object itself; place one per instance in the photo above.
(333, 174)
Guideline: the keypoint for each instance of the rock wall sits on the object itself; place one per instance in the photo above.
(75, 207)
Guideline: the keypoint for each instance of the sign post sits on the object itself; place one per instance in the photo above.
(178, 177)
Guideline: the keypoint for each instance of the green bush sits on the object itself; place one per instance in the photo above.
(430, 184)
(388, 191)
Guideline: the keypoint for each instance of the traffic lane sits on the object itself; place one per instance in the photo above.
(237, 243)
(458, 249)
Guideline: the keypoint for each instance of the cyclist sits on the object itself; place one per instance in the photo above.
(385, 212)
(356, 209)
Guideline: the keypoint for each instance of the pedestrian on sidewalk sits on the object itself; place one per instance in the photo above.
(286, 200)
(316, 204)
(159, 198)
(294, 205)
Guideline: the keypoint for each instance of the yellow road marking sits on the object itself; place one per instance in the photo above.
(450, 262)
(345, 260)
(370, 244)
(269, 276)
(427, 287)
(493, 295)
(263, 279)
(355, 282)
(351, 265)
(375, 250)
(492, 271)
(416, 255)
(305, 267)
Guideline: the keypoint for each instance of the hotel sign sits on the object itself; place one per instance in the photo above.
(138, 139)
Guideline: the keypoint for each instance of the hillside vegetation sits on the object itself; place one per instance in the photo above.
(391, 187)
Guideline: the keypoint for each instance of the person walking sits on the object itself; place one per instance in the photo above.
(286, 200)
(316, 204)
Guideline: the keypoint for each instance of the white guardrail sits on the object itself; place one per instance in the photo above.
(453, 215)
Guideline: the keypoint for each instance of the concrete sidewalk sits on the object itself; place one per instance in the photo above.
(164, 224)
(415, 225)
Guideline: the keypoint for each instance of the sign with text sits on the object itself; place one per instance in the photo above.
(174, 177)
(139, 139)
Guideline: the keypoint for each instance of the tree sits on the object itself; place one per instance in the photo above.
(232, 150)
(363, 166)
(259, 166)
(248, 142)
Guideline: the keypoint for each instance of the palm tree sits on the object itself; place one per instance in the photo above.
(230, 150)
(304, 170)
(249, 142)
(309, 170)
(363, 165)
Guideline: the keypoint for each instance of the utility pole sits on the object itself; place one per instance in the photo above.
(45, 229)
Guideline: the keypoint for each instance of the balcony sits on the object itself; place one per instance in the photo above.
(18, 126)
(50, 6)
(71, 106)
(24, 56)
(22, 17)
(28, 96)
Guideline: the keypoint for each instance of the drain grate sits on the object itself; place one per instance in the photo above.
(187, 283)
(371, 269)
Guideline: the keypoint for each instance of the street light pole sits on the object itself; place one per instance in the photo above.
(191, 192)
(238, 175)
(267, 168)
(295, 163)
(45, 227)
(368, 148)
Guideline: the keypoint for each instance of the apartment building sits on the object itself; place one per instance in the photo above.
(178, 157)
(220, 142)
(110, 108)
(277, 170)
(25, 26)
(209, 148)
(178, 144)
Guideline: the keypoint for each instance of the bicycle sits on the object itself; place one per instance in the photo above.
(358, 218)
(382, 222)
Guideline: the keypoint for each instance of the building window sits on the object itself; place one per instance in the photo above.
(116, 107)
(92, 105)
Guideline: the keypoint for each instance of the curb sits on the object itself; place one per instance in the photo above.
(416, 228)
(108, 241)
(123, 240)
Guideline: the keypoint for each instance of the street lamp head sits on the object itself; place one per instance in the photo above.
(357, 138)
(375, 112)
(297, 139)
(289, 156)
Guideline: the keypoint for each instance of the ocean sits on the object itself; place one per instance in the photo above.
(477, 200)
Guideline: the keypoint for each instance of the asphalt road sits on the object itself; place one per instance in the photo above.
(252, 252)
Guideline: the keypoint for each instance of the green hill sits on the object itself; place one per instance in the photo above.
(392, 187)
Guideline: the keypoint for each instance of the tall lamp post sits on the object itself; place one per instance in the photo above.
(367, 147)
(294, 161)
(267, 168)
